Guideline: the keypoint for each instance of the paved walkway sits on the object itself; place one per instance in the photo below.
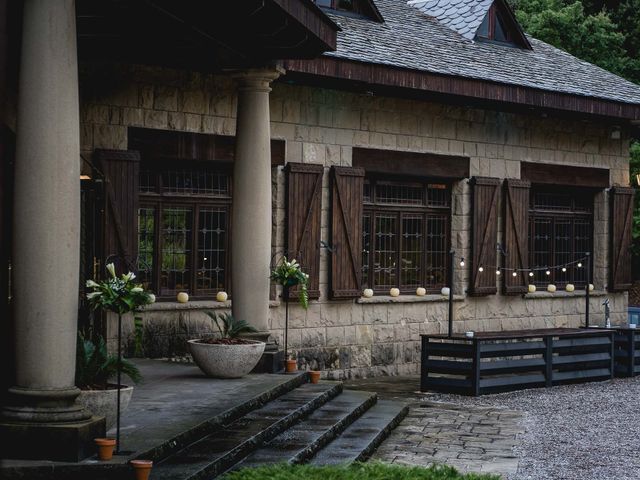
(472, 439)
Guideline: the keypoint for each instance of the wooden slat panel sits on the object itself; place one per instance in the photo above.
(121, 177)
(346, 231)
(516, 232)
(411, 163)
(622, 200)
(484, 235)
(304, 193)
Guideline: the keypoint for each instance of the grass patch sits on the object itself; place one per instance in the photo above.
(363, 471)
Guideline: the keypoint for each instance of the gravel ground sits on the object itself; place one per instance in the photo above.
(589, 431)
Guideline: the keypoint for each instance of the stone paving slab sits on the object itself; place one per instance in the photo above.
(472, 439)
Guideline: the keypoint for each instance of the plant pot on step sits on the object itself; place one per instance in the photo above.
(105, 448)
(290, 365)
(314, 376)
(142, 468)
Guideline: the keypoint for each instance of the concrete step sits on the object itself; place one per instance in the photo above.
(304, 439)
(219, 451)
(362, 437)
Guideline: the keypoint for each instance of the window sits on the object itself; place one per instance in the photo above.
(405, 235)
(183, 229)
(560, 233)
(499, 25)
(360, 8)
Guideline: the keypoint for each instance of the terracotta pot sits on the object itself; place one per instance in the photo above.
(142, 468)
(105, 447)
(291, 366)
(314, 375)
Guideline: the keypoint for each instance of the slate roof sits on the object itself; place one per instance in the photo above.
(463, 16)
(410, 39)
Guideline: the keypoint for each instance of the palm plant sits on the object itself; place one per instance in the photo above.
(95, 366)
(230, 327)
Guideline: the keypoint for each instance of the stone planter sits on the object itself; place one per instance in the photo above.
(102, 403)
(226, 361)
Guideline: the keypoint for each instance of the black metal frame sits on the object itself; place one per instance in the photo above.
(627, 352)
(502, 361)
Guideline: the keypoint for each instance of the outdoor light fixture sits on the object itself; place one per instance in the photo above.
(515, 274)
(498, 272)
(481, 269)
(531, 274)
(548, 272)
(579, 264)
(564, 269)
(462, 262)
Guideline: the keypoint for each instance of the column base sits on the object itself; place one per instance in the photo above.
(63, 442)
(30, 405)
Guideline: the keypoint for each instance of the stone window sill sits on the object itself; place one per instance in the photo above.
(563, 294)
(197, 305)
(408, 299)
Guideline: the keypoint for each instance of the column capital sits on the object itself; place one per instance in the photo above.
(257, 79)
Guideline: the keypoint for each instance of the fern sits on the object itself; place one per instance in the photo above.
(228, 326)
(95, 366)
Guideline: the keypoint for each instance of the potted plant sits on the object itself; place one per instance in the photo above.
(229, 355)
(120, 295)
(289, 274)
(95, 367)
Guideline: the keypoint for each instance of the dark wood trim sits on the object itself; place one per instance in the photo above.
(177, 145)
(312, 18)
(554, 174)
(411, 163)
(372, 75)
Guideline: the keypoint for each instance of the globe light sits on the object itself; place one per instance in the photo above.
(564, 269)
(515, 274)
(548, 272)
(481, 269)
(579, 264)
(462, 262)
(531, 274)
(498, 272)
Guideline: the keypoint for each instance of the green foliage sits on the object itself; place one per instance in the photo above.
(363, 471)
(634, 169)
(594, 37)
(289, 274)
(228, 326)
(95, 367)
(118, 294)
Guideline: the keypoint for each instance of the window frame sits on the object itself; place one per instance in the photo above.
(161, 200)
(372, 208)
(582, 196)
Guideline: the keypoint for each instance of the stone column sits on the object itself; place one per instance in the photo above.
(251, 220)
(46, 242)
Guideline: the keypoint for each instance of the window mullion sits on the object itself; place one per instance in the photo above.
(194, 245)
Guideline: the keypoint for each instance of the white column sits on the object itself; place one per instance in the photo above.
(46, 241)
(251, 220)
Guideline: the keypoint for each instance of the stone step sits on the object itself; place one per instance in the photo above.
(304, 439)
(362, 437)
(219, 451)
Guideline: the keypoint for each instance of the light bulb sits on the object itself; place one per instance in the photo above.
(497, 272)
(531, 274)
(462, 262)
(579, 264)
(481, 269)
(564, 269)
(548, 272)
(515, 274)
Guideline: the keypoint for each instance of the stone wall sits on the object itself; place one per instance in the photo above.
(378, 335)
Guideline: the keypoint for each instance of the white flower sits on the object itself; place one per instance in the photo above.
(137, 289)
(93, 295)
(111, 269)
(152, 298)
(129, 276)
(92, 284)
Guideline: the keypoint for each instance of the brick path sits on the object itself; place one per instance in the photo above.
(472, 439)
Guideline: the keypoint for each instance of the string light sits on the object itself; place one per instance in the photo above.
(564, 269)
(531, 274)
(498, 271)
(548, 272)
(462, 262)
(579, 264)
(515, 274)
(481, 269)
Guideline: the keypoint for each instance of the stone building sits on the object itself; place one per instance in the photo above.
(210, 152)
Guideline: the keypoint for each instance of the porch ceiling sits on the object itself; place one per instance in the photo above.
(202, 34)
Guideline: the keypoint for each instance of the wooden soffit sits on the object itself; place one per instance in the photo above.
(404, 82)
(172, 145)
(411, 163)
(553, 174)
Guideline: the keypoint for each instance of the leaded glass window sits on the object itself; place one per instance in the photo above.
(560, 233)
(405, 235)
(183, 229)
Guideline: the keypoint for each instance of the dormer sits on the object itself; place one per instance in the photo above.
(479, 20)
(352, 8)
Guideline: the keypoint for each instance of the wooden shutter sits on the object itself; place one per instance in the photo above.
(304, 194)
(516, 233)
(120, 169)
(484, 235)
(346, 231)
(621, 227)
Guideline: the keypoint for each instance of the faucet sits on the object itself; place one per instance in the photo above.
(607, 313)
